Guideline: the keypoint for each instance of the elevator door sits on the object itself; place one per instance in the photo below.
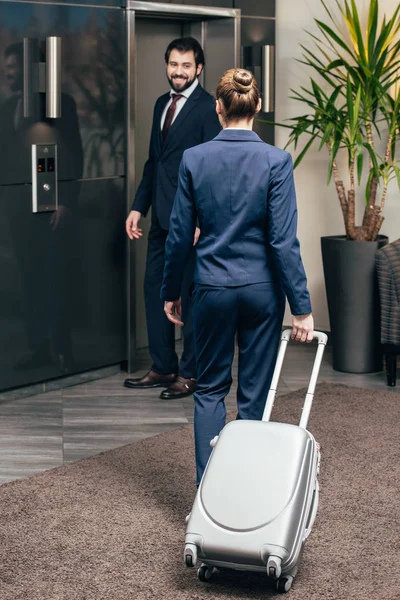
(151, 27)
(152, 38)
(62, 272)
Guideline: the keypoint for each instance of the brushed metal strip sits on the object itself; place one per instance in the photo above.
(56, 174)
(181, 9)
(203, 44)
(27, 85)
(258, 18)
(88, 5)
(130, 185)
(105, 178)
(34, 179)
(237, 40)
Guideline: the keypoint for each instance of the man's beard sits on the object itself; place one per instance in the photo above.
(187, 84)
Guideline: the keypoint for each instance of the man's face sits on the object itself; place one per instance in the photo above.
(14, 72)
(182, 70)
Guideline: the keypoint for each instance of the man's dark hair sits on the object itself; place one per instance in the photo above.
(186, 44)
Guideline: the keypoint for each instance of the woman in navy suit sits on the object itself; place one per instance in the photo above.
(241, 192)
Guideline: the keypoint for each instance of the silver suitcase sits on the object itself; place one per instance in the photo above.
(258, 498)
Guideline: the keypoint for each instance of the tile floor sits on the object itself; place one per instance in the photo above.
(44, 431)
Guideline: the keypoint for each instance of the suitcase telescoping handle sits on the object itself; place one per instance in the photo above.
(322, 339)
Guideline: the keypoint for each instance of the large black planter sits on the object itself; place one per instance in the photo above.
(353, 303)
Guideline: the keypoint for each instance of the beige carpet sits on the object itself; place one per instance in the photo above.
(112, 527)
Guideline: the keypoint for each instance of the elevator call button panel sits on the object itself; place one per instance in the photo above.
(44, 178)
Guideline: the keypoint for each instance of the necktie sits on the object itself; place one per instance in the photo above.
(170, 114)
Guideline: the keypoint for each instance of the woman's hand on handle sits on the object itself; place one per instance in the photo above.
(303, 327)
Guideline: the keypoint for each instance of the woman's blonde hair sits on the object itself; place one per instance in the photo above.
(239, 94)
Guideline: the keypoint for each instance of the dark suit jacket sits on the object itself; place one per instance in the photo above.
(241, 190)
(197, 122)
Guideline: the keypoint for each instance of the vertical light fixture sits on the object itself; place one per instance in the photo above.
(53, 77)
(268, 77)
(260, 60)
(42, 77)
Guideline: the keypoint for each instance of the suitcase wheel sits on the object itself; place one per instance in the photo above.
(189, 561)
(274, 567)
(190, 555)
(284, 584)
(204, 573)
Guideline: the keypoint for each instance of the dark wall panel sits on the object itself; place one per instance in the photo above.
(257, 32)
(221, 3)
(62, 283)
(258, 8)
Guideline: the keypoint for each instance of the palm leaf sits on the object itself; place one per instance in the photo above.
(304, 151)
(374, 160)
(397, 172)
(331, 35)
(368, 187)
(372, 27)
(357, 29)
(359, 158)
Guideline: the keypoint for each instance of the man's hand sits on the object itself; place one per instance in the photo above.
(196, 236)
(131, 225)
(173, 310)
(303, 327)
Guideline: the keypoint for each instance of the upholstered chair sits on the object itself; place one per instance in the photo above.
(388, 270)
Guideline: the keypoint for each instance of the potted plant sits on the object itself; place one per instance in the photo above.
(353, 108)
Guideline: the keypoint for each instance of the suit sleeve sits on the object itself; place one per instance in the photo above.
(211, 124)
(282, 235)
(180, 237)
(143, 198)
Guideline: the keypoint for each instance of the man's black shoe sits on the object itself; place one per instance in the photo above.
(180, 388)
(150, 380)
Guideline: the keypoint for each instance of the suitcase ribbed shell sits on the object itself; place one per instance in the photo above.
(253, 474)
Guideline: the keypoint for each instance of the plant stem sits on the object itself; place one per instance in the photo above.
(377, 227)
(385, 181)
(388, 147)
(351, 214)
(369, 212)
(341, 193)
(370, 140)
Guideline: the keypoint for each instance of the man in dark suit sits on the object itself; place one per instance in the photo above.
(183, 118)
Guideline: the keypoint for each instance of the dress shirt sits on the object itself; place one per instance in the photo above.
(180, 103)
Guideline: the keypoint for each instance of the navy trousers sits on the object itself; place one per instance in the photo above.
(160, 331)
(253, 314)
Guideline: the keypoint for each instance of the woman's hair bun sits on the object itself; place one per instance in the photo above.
(242, 81)
(239, 95)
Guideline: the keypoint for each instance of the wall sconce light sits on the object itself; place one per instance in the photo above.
(42, 77)
(260, 60)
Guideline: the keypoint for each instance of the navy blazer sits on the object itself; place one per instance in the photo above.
(197, 122)
(241, 190)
